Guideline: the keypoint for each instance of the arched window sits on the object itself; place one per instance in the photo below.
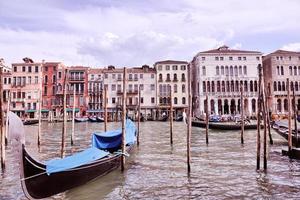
(232, 86)
(222, 70)
(235, 70)
(208, 86)
(183, 100)
(183, 88)
(283, 86)
(253, 101)
(278, 105)
(203, 70)
(285, 105)
(182, 77)
(255, 86)
(245, 86)
(217, 71)
(204, 86)
(46, 79)
(278, 70)
(245, 70)
(227, 86)
(295, 70)
(231, 71)
(54, 79)
(223, 86)
(175, 100)
(175, 77)
(274, 86)
(296, 86)
(298, 70)
(251, 86)
(212, 86)
(160, 77)
(291, 70)
(240, 70)
(282, 71)
(237, 86)
(226, 71)
(175, 88)
(218, 86)
(168, 77)
(291, 86)
(279, 86)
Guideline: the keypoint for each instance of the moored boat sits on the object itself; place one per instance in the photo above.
(81, 119)
(99, 119)
(42, 180)
(92, 119)
(223, 125)
(283, 130)
(30, 121)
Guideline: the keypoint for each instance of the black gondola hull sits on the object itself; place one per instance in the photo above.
(223, 126)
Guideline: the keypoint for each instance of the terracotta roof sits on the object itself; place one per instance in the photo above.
(284, 52)
(171, 62)
(226, 50)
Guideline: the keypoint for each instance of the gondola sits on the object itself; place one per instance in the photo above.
(92, 119)
(179, 119)
(283, 130)
(223, 126)
(81, 119)
(41, 180)
(99, 119)
(30, 121)
(164, 119)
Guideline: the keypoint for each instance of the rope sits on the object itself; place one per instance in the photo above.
(33, 176)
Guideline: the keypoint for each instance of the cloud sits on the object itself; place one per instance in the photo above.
(292, 47)
(137, 32)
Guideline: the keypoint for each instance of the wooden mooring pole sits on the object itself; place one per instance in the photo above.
(267, 108)
(64, 127)
(258, 117)
(263, 104)
(139, 117)
(289, 116)
(105, 108)
(242, 114)
(2, 138)
(6, 123)
(295, 115)
(73, 115)
(189, 125)
(40, 118)
(171, 116)
(123, 121)
(206, 119)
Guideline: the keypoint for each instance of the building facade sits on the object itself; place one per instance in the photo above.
(219, 74)
(172, 75)
(95, 90)
(277, 67)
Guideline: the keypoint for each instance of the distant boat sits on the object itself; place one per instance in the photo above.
(92, 119)
(30, 121)
(282, 129)
(164, 118)
(179, 119)
(81, 119)
(41, 180)
(223, 125)
(99, 119)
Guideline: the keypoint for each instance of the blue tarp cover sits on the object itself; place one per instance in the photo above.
(78, 159)
(113, 139)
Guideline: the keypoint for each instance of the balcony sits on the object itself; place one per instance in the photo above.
(168, 80)
(175, 80)
(183, 79)
(76, 78)
(23, 84)
(160, 80)
(129, 92)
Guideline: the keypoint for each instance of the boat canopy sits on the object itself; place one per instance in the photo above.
(113, 139)
(85, 157)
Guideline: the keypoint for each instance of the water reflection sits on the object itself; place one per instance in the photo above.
(224, 169)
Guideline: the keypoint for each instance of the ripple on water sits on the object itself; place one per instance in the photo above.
(224, 169)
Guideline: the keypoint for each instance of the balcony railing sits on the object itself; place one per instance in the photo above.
(76, 78)
(175, 80)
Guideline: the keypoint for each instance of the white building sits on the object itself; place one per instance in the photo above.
(95, 89)
(219, 73)
(138, 77)
(174, 74)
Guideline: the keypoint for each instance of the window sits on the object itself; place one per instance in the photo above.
(291, 70)
(175, 77)
(183, 88)
(174, 67)
(183, 100)
(113, 87)
(245, 70)
(152, 87)
(15, 68)
(295, 70)
(175, 100)
(29, 79)
(113, 76)
(119, 77)
(221, 58)
(119, 88)
(290, 58)
(182, 67)
(142, 99)
(168, 77)
(203, 58)
(105, 75)
(275, 86)
(235, 70)
(257, 58)
(36, 79)
(222, 70)
(159, 67)
(160, 77)
(130, 77)
(29, 68)
(23, 68)
(141, 86)
(5, 81)
(135, 77)
(59, 75)
(203, 86)
(175, 88)
(203, 71)
(282, 71)
(226, 71)
(216, 58)
(141, 76)
(113, 100)
(244, 58)
(152, 100)
(230, 58)
(36, 69)
(46, 79)
(239, 58)
(278, 70)
(217, 71)
(167, 67)
(231, 71)
(45, 90)
(136, 87)
(182, 77)
(152, 76)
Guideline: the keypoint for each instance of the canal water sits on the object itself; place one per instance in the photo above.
(224, 169)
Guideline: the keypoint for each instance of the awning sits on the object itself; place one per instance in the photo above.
(94, 111)
(44, 110)
(30, 111)
(71, 110)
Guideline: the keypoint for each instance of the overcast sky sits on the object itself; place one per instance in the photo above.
(133, 33)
